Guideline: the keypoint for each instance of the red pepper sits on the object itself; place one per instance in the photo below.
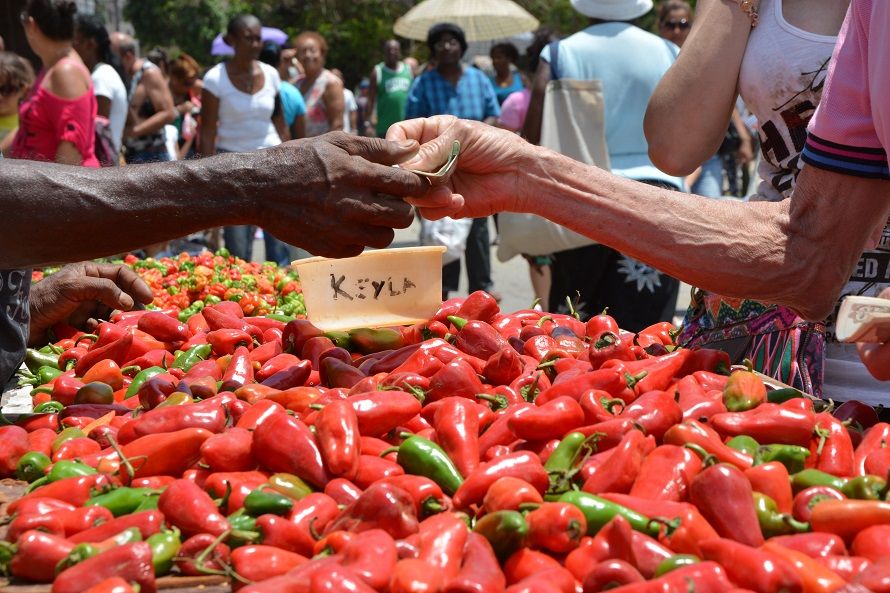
(662, 332)
(622, 466)
(872, 543)
(612, 381)
(269, 350)
(556, 526)
(116, 351)
(163, 327)
(296, 334)
(148, 523)
(337, 428)
(373, 469)
(442, 541)
(875, 577)
(555, 580)
(806, 499)
(379, 412)
(752, 568)
(197, 324)
(217, 319)
(236, 484)
(772, 479)
(846, 567)
(258, 413)
(813, 576)
(205, 368)
(239, 372)
(13, 444)
(480, 572)
(65, 388)
(666, 474)
(768, 423)
(660, 371)
(274, 364)
(877, 437)
(22, 523)
(457, 432)
(499, 432)
(479, 305)
(705, 364)
(156, 390)
(39, 422)
(427, 495)
(165, 454)
(372, 556)
(878, 462)
(337, 373)
(191, 509)
(600, 406)
(209, 414)
(456, 378)
(217, 559)
(479, 339)
(296, 534)
(338, 579)
(723, 495)
(132, 562)
(260, 562)
(598, 324)
(530, 384)
(284, 444)
(692, 432)
(76, 520)
(343, 491)
(415, 576)
(523, 465)
(226, 340)
(37, 554)
(295, 375)
(655, 411)
(548, 421)
(608, 346)
(381, 506)
(835, 448)
(69, 357)
(153, 358)
(229, 451)
(76, 490)
(503, 367)
(611, 574)
(526, 562)
(154, 482)
(814, 545)
(647, 553)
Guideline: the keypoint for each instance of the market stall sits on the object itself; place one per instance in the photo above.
(221, 437)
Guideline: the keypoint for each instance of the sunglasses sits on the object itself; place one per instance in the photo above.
(9, 89)
(681, 24)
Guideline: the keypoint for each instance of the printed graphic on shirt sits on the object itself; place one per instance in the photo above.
(635, 271)
(783, 151)
(13, 284)
(397, 85)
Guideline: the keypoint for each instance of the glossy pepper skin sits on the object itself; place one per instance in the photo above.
(189, 508)
(284, 444)
(457, 431)
(724, 496)
(751, 567)
(379, 412)
(768, 423)
(423, 457)
(772, 479)
(506, 531)
(132, 562)
(522, 464)
(666, 474)
(557, 527)
(338, 433)
(834, 448)
(622, 467)
(548, 421)
(480, 572)
(260, 562)
(382, 506)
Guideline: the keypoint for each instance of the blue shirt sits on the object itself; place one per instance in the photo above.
(503, 92)
(630, 62)
(472, 98)
(291, 102)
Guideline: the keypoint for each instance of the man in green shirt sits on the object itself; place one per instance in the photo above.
(390, 82)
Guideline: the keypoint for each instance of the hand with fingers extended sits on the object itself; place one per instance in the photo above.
(80, 293)
(340, 193)
(491, 174)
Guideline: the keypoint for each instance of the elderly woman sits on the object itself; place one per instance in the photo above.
(322, 90)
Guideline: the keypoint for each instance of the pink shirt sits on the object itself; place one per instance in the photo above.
(45, 120)
(514, 110)
(850, 132)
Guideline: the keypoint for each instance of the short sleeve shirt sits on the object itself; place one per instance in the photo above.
(473, 97)
(291, 102)
(850, 131)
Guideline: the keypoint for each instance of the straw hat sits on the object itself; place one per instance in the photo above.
(613, 10)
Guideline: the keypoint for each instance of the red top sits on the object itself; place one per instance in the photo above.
(46, 119)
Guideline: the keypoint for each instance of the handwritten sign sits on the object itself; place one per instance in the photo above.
(377, 288)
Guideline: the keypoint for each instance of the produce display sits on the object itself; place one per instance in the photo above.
(479, 451)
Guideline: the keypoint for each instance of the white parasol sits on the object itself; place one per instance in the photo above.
(481, 20)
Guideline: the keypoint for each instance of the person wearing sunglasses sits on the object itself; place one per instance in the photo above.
(674, 20)
(16, 77)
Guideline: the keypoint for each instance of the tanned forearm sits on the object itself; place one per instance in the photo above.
(796, 253)
(56, 213)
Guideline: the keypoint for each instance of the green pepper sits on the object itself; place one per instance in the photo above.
(744, 443)
(82, 552)
(44, 375)
(140, 379)
(34, 359)
(212, 299)
(95, 392)
(505, 531)
(164, 547)
(281, 318)
(792, 457)
(290, 485)
(860, 487)
(243, 528)
(192, 356)
(195, 307)
(262, 502)
(149, 503)
(772, 522)
(72, 432)
(340, 339)
(32, 466)
(50, 407)
(599, 511)
(423, 457)
(674, 562)
(780, 396)
(563, 462)
(67, 468)
(177, 398)
(121, 501)
(370, 340)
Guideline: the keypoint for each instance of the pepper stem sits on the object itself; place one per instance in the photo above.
(202, 557)
(458, 322)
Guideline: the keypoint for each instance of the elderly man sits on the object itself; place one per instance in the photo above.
(319, 194)
(151, 104)
(798, 252)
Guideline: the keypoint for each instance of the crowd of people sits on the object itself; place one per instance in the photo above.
(749, 75)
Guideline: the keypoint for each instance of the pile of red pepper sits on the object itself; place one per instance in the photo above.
(479, 451)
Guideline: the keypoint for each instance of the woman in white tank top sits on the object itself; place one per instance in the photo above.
(779, 68)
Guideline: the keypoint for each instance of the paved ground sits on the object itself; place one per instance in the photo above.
(511, 278)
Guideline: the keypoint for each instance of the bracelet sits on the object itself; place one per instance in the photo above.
(750, 8)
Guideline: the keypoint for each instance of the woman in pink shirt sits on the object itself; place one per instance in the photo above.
(57, 119)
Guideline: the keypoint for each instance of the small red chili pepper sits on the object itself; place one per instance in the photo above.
(877, 437)
(442, 541)
(131, 562)
(226, 341)
(478, 305)
(723, 495)
(166, 453)
(503, 367)
(337, 428)
(523, 465)
(457, 432)
(261, 562)
(813, 576)
(525, 562)
(148, 523)
(379, 412)
(480, 572)
(806, 499)
(415, 576)
(814, 545)
(655, 411)
(372, 469)
(548, 421)
(284, 444)
(768, 423)
(217, 559)
(116, 351)
(163, 327)
(36, 556)
(75, 490)
(555, 580)
(229, 451)
(239, 371)
(191, 509)
(773, 480)
(666, 474)
(612, 381)
(427, 495)
(499, 432)
(556, 526)
(846, 567)
(372, 556)
(622, 466)
(611, 574)
(343, 491)
(381, 506)
(209, 414)
(217, 319)
(834, 449)
(457, 378)
(750, 567)
(479, 339)
(692, 432)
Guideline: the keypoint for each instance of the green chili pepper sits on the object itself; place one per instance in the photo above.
(565, 459)
(340, 339)
(95, 392)
(44, 375)
(72, 432)
(32, 466)
(772, 522)
(140, 379)
(792, 457)
(50, 407)
(369, 340)
(149, 503)
(164, 547)
(780, 396)
(212, 299)
(744, 443)
(860, 487)
(423, 457)
(34, 359)
(67, 468)
(281, 318)
(599, 511)
(82, 552)
(261, 502)
(290, 485)
(192, 356)
(177, 398)
(505, 531)
(190, 310)
(674, 562)
(243, 528)
(121, 501)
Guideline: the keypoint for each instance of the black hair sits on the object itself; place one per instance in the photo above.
(436, 31)
(92, 27)
(271, 54)
(240, 22)
(669, 6)
(54, 17)
(542, 38)
(507, 49)
(160, 58)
